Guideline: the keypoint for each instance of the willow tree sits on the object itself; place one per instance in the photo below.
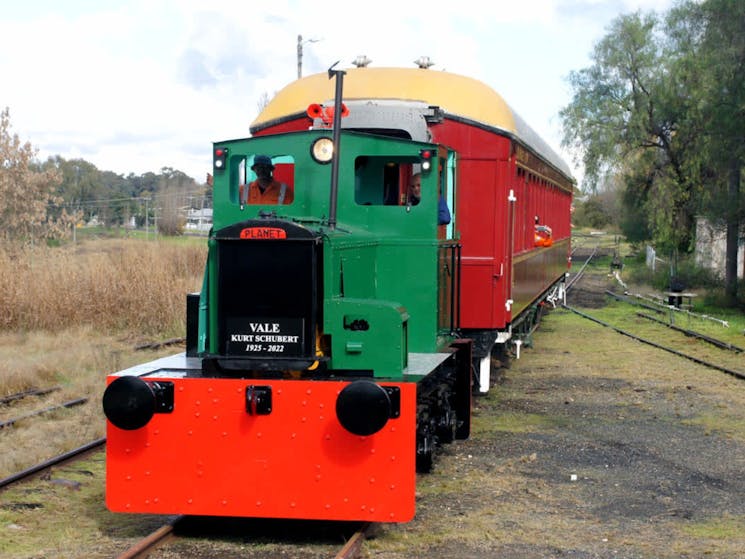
(663, 106)
(625, 119)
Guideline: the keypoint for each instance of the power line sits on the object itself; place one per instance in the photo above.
(104, 202)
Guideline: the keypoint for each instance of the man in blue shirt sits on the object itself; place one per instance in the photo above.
(415, 195)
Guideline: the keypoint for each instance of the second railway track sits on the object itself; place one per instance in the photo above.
(720, 355)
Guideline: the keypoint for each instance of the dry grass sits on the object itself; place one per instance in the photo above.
(71, 316)
(122, 285)
(76, 361)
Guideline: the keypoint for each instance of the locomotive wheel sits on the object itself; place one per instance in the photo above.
(425, 455)
(446, 426)
(425, 440)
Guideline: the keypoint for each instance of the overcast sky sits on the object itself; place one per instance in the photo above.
(136, 85)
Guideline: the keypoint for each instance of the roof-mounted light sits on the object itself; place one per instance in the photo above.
(314, 110)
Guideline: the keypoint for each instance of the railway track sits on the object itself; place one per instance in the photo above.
(64, 405)
(59, 460)
(151, 542)
(660, 341)
(7, 425)
(729, 371)
(172, 529)
(179, 527)
(10, 398)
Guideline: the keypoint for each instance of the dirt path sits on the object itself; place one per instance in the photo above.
(593, 447)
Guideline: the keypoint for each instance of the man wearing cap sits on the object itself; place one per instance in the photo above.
(266, 190)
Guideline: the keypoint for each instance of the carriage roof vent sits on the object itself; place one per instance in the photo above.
(361, 61)
(424, 62)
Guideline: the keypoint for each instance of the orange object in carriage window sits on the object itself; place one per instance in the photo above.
(543, 236)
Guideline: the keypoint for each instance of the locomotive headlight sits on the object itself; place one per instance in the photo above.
(322, 150)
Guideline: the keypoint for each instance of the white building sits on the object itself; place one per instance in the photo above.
(198, 220)
(711, 245)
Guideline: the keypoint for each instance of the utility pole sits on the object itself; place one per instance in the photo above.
(147, 217)
(77, 192)
(299, 56)
(300, 44)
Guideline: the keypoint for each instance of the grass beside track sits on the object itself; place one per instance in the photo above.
(648, 435)
(594, 446)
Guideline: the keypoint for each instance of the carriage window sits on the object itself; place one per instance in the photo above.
(266, 180)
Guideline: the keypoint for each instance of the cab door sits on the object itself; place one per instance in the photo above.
(449, 247)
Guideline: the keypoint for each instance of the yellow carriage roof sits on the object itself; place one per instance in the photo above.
(459, 96)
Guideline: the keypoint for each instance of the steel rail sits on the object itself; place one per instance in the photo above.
(625, 299)
(158, 345)
(732, 372)
(31, 392)
(672, 308)
(148, 544)
(353, 546)
(581, 271)
(68, 404)
(52, 462)
(144, 547)
(692, 333)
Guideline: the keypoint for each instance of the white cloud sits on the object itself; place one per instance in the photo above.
(138, 85)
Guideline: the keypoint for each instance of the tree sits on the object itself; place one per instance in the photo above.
(723, 109)
(80, 185)
(174, 192)
(624, 118)
(121, 205)
(663, 106)
(29, 205)
(599, 209)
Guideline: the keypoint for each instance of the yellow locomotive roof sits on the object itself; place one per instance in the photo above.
(457, 95)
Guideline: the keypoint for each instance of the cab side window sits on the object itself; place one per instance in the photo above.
(381, 182)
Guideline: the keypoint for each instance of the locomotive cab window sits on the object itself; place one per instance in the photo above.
(407, 182)
(381, 181)
(265, 180)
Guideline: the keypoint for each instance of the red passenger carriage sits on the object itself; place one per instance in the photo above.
(509, 183)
